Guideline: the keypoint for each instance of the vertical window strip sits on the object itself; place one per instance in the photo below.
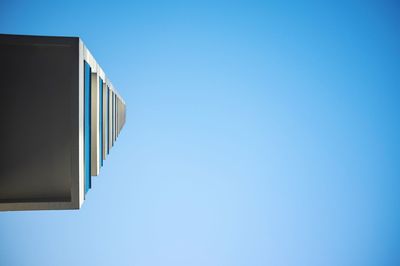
(108, 119)
(87, 126)
(101, 120)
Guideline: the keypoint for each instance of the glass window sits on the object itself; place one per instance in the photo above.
(101, 121)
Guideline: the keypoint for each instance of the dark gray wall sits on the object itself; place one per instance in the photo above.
(38, 117)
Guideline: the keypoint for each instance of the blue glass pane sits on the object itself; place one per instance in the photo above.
(112, 119)
(101, 121)
(87, 122)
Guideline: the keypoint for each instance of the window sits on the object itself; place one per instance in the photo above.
(101, 120)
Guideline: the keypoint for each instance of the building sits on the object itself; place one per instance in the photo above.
(60, 115)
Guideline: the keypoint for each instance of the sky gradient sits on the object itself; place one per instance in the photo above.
(257, 133)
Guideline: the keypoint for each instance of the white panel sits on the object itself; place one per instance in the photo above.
(110, 140)
(95, 126)
(81, 128)
(105, 121)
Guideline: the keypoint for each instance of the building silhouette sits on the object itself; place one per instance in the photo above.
(60, 115)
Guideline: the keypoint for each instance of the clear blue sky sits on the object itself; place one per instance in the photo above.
(257, 134)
